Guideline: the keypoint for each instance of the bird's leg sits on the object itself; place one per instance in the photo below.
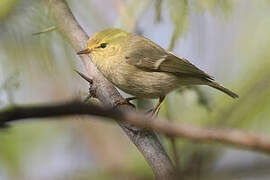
(157, 106)
(125, 101)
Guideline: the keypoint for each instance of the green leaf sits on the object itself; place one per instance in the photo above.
(178, 13)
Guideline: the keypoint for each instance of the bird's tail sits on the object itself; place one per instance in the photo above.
(223, 89)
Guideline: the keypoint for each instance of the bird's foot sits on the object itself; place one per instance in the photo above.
(125, 101)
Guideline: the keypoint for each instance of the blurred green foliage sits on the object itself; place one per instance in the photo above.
(179, 14)
(18, 143)
(215, 5)
(6, 7)
(32, 65)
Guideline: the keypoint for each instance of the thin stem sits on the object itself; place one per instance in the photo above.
(245, 140)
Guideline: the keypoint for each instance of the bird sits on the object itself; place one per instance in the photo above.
(141, 68)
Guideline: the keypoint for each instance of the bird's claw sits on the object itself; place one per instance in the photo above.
(122, 102)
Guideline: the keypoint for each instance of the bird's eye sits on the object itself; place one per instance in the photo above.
(103, 45)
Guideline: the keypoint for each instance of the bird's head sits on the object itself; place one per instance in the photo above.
(105, 43)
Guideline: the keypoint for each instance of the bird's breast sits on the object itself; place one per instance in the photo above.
(135, 81)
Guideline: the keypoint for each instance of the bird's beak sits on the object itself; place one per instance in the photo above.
(85, 51)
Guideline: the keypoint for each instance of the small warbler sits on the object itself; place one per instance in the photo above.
(139, 67)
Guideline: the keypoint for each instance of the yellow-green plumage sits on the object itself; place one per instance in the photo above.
(141, 68)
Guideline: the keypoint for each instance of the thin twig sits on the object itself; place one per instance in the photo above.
(245, 140)
(49, 29)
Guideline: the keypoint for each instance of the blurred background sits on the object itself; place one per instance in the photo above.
(229, 39)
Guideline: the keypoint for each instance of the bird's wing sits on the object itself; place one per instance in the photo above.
(147, 55)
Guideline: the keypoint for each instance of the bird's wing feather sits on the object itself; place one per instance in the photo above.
(151, 57)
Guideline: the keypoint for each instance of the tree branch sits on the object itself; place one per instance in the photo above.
(146, 141)
(245, 140)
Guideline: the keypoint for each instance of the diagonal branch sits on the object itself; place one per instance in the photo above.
(146, 141)
(245, 140)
